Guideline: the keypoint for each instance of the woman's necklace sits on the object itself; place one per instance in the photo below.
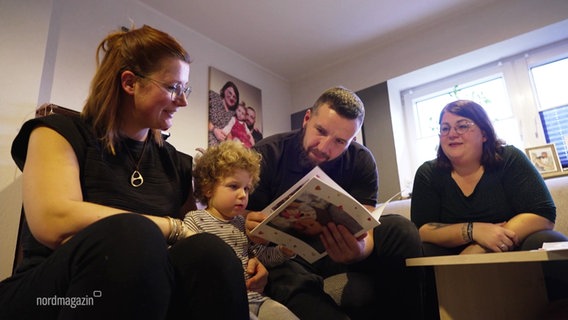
(136, 178)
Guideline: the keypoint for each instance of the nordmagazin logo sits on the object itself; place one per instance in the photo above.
(71, 302)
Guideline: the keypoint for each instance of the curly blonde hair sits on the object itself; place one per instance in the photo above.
(220, 161)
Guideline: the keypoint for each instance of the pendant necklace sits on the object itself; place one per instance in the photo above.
(136, 179)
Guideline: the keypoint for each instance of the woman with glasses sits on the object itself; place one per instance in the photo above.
(479, 195)
(103, 196)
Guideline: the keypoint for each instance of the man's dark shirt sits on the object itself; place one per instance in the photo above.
(282, 166)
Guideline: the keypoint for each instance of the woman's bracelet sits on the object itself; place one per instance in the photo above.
(467, 232)
(171, 225)
(176, 230)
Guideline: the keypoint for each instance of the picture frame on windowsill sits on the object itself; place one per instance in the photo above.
(545, 159)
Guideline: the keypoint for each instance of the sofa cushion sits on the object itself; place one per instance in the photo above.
(558, 187)
(401, 207)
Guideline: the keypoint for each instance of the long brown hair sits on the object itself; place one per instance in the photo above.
(138, 50)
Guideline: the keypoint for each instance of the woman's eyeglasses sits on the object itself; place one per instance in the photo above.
(461, 127)
(176, 90)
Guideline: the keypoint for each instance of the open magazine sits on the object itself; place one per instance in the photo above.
(296, 218)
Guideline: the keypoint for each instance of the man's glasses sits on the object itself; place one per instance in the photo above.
(176, 90)
(461, 127)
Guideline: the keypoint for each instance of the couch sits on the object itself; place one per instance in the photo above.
(352, 290)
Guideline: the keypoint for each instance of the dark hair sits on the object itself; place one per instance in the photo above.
(230, 84)
(141, 51)
(492, 147)
(343, 101)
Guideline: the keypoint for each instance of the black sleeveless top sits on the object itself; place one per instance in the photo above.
(105, 178)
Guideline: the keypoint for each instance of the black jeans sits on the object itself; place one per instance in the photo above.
(120, 268)
(299, 286)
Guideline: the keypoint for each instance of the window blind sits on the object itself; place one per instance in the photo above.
(555, 125)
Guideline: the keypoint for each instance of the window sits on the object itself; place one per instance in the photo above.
(515, 91)
(555, 125)
(490, 93)
(549, 83)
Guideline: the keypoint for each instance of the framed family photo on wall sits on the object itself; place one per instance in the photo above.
(235, 111)
(545, 159)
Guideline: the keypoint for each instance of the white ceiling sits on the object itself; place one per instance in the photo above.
(294, 38)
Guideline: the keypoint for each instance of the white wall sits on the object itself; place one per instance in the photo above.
(24, 26)
(48, 55)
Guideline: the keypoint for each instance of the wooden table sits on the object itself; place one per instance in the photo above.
(508, 285)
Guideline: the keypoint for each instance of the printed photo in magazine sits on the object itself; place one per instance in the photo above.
(296, 218)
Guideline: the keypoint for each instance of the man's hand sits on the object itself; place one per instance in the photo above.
(342, 246)
(259, 276)
(253, 219)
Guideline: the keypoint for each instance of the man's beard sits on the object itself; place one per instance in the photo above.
(305, 161)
